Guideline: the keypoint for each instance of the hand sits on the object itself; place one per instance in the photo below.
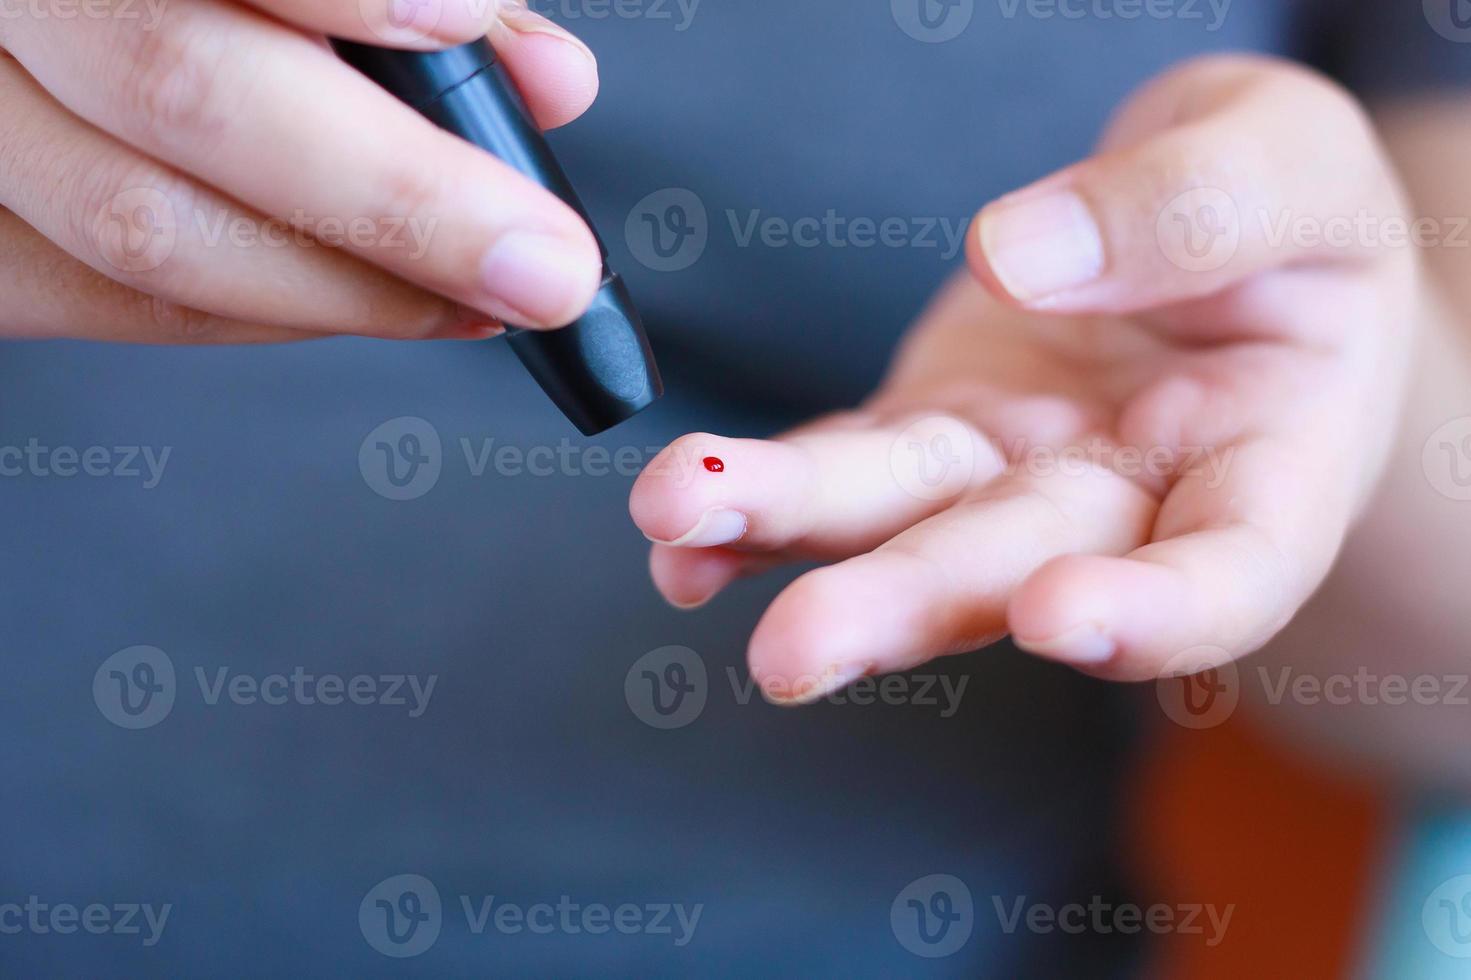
(1127, 445)
(172, 172)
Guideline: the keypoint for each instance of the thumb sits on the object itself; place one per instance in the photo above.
(1217, 171)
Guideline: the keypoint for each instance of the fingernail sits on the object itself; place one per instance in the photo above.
(809, 689)
(532, 280)
(520, 18)
(484, 331)
(1083, 645)
(690, 605)
(1042, 246)
(717, 526)
(453, 20)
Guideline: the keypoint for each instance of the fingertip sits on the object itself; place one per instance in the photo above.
(556, 71)
(542, 280)
(415, 26)
(679, 487)
(690, 579)
(803, 648)
(980, 265)
(1102, 615)
(872, 614)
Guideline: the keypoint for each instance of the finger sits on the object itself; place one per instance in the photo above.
(689, 578)
(1220, 163)
(44, 293)
(1231, 562)
(217, 91)
(556, 72)
(827, 493)
(941, 587)
(161, 233)
(419, 25)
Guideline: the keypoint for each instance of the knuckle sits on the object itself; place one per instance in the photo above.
(170, 321)
(130, 215)
(398, 321)
(168, 82)
(406, 192)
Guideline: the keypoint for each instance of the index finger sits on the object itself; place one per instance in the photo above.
(272, 118)
(554, 70)
(419, 25)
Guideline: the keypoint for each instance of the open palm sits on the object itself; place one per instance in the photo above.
(1139, 433)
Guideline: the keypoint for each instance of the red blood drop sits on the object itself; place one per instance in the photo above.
(714, 464)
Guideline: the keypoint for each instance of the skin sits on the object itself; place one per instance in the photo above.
(1270, 394)
(1273, 380)
(199, 120)
(1394, 607)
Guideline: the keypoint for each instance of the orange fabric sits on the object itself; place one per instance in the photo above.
(1222, 816)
